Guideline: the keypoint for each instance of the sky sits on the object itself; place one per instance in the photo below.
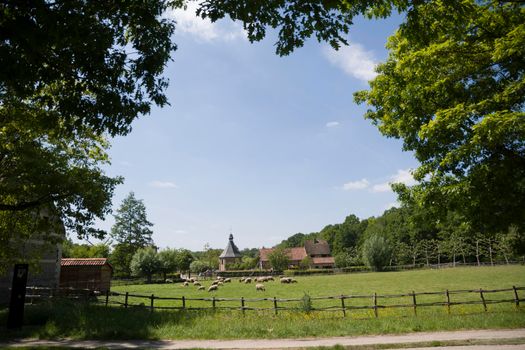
(256, 144)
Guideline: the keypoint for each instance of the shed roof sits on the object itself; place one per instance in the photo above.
(231, 250)
(84, 262)
(323, 260)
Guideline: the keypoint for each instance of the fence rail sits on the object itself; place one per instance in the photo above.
(276, 304)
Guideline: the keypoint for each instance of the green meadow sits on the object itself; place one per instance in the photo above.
(66, 319)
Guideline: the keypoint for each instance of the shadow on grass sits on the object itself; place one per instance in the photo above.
(65, 318)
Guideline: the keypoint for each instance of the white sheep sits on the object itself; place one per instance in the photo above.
(286, 280)
(196, 283)
(259, 286)
(213, 287)
(186, 284)
(227, 280)
(201, 288)
(248, 280)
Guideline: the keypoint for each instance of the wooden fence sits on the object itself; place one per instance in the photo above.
(276, 305)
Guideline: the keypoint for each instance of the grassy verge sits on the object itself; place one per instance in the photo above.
(97, 322)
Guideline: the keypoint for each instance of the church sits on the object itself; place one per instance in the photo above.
(230, 255)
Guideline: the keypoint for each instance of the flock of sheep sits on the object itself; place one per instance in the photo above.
(221, 280)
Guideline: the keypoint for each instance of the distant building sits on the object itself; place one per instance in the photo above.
(317, 249)
(230, 255)
(86, 273)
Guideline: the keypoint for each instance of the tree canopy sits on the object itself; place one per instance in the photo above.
(453, 90)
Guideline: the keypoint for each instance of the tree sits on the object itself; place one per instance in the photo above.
(452, 89)
(169, 260)
(198, 266)
(74, 250)
(376, 252)
(120, 259)
(145, 262)
(184, 259)
(305, 263)
(278, 259)
(70, 73)
(131, 224)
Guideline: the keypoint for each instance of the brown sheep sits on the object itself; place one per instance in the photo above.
(213, 287)
(260, 287)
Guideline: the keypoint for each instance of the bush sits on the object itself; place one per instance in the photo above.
(376, 252)
(308, 272)
(145, 262)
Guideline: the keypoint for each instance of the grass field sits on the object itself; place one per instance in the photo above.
(88, 321)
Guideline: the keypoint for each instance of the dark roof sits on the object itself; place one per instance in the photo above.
(317, 247)
(84, 262)
(231, 250)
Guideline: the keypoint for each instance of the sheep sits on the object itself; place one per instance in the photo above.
(242, 279)
(248, 280)
(213, 287)
(220, 283)
(214, 283)
(186, 284)
(293, 280)
(227, 280)
(259, 286)
(201, 288)
(270, 278)
(196, 283)
(286, 280)
(191, 280)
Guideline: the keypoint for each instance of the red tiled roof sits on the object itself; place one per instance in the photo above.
(294, 254)
(83, 262)
(323, 260)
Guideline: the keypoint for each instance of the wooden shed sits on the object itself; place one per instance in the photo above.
(86, 273)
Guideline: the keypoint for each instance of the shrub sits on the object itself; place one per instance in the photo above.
(376, 252)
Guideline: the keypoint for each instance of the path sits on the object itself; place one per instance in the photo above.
(291, 343)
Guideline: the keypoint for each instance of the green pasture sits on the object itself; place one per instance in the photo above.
(358, 284)
(88, 321)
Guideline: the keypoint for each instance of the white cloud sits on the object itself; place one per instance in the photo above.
(332, 124)
(392, 205)
(402, 176)
(382, 187)
(162, 184)
(356, 185)
(354, 60)
(189, 23)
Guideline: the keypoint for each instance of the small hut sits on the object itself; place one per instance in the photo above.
(86, 273)
(230, 255)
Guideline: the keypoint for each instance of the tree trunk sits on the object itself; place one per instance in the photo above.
(490, 253)
(148, 280)
(454, 259)
(477, 251)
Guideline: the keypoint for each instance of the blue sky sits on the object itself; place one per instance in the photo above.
(263, 145)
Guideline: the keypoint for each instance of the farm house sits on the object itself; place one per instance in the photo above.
(86, 273)
(317, 249)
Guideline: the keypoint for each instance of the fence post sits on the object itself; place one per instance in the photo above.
(152, 298)
(126, 300)
(183, 302)
(275, 304)
(414, 302)
(343, 305)
(448, 301)
(375, 305)
(483, 299)
(107, 297)
(516, 298)
(213, 302)
(242, 305)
